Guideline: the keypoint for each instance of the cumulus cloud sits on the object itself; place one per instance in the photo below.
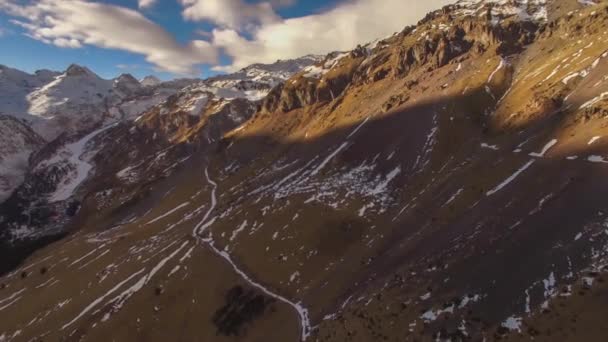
(146, 3)
(233, 14)
(340, 28)
(67, 43)
(73, 23)
(245, 31)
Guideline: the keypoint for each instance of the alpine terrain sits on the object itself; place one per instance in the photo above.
(445, 183)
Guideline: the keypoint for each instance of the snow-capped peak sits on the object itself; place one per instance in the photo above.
(255, 81)
(77, 96)
(150, 81)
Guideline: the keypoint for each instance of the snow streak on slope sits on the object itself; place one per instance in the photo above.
(545, 149)
(72, 156)
(169, 213)
(100, 299)
(119, 300)
(510, 178)
(334, 187)
(329, 158)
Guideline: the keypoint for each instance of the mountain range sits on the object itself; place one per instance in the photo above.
(441, 184)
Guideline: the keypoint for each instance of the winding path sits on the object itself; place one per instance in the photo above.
(205, 223)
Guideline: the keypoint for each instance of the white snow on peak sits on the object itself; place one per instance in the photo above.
(78, 100)
(318, 70)
(255, 82)
(76, 86)
(525, 10)
(75, 100)
(14, 87)
(53, 102)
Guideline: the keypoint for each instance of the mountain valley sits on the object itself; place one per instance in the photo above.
(440, 184)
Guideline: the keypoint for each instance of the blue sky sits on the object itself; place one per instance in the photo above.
(262, 37)
(29, 55)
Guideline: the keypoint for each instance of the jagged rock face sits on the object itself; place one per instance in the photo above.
(205, 111)
(127, 84)
(257, 80)
(459, 197)
(438, 39)
(193, 115)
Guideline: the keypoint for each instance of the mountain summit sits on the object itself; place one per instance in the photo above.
(150, 81)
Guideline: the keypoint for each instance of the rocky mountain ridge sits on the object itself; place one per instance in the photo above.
(63, 105)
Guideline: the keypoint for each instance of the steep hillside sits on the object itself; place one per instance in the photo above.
(444, 183)
(17, 143)
(56, 178)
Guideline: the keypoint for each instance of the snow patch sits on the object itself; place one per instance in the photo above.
(73, 155)
(510, 178)
(512, 323)
(594, 139)
(545, 149)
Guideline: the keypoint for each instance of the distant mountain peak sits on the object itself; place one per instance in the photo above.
(150, 81)
(127, 79)
(77, 70)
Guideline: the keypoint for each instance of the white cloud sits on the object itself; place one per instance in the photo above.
(146, 3)
(245, 31)
(73, 23)
(340, 28)
(233, 14)
(67, 43)
(128, 66)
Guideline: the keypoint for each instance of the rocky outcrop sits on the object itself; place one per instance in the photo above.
(439, 39)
